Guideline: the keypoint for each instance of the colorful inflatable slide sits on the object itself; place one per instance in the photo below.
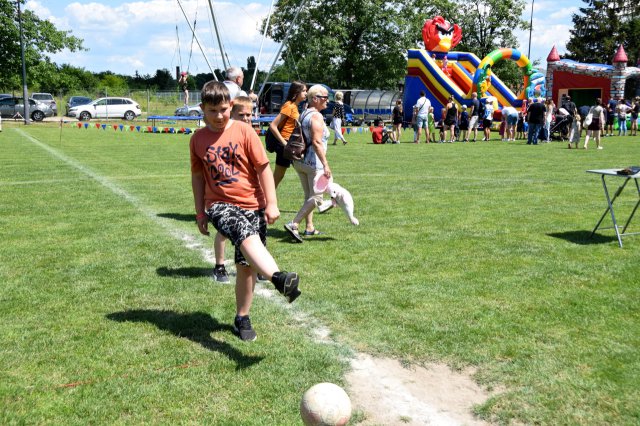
(440, 73)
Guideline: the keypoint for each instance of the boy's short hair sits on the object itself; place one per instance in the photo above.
(240, 102)
(215, 93)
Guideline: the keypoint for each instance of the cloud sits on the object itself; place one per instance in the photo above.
(112, 30)
(549, 35)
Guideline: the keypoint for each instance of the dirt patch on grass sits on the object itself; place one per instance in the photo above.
(389, 393)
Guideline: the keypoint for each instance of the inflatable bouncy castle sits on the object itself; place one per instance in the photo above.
(440, 73)
(586, 82)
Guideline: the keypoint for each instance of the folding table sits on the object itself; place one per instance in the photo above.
(613, 173)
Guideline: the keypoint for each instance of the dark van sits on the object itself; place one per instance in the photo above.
(274, 95)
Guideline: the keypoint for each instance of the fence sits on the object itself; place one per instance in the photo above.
(151, 102)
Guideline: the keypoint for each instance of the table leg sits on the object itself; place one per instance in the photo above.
(633, 212)
(610, 208)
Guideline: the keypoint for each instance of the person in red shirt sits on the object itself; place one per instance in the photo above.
(233, 189)
(380, 135)
(376, 134)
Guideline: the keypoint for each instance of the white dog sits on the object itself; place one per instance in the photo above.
(339, 197)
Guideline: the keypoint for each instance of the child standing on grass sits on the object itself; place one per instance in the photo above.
(520, 126)
(241, 111)
(441, 125)
(233, 189)
(432, 126)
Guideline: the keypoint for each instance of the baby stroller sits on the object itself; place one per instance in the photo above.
(561, 125)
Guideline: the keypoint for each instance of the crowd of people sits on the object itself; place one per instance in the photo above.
(538, 121)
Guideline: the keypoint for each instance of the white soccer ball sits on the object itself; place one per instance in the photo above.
(325, 404)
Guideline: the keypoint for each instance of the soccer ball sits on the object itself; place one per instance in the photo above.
(325, 404)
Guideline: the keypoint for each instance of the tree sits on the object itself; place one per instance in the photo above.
(163, 80)
(40, 39)
(363, 43)
(601, 27)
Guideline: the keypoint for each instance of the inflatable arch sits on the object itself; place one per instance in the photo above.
(533, 80)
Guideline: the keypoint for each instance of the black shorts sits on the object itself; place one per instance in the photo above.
(280, 160)
(610, 120)
(238, 224)
(486, 123)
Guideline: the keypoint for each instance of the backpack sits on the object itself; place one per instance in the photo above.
(488, 113)
(481, 109)
(297, 143)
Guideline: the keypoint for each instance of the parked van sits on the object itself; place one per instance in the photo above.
(274, 94)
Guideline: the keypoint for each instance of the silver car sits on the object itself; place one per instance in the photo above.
(46, 98)
(14, 107)
(189, 111)
(107, 108)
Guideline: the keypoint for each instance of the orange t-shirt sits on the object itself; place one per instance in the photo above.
(228, 162)
(290, 110)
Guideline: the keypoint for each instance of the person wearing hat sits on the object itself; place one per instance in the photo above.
(182, 83)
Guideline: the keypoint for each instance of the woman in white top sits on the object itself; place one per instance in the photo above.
(548, 117)
(314, 164)
(338, 118)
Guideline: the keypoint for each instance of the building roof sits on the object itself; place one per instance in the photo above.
(621, 55)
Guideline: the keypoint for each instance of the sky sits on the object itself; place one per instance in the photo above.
(125, 36)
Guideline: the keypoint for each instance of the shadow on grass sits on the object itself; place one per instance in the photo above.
(283, 236)
(187, 272)
(195, 326)
(582, 237)
(179, 216)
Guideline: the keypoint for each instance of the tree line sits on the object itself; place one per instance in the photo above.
(343, 43)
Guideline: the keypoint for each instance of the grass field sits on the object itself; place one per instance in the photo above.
(467, 254)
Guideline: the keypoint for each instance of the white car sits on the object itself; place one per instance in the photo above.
(107, 108)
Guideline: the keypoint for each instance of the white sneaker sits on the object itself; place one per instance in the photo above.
(599, 147)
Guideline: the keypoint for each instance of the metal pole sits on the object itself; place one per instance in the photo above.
(530, 29)
(284, 41)
(264, 34)
(25, 92)
(193, 31)
(225, 63)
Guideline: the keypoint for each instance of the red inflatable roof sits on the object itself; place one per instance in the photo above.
(621, 55)
(553, 55)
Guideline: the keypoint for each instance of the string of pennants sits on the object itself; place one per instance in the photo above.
(131, 128)
(177, 130)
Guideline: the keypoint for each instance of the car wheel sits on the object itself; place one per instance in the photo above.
(194, 114)
(129, 115)
(37, 116)
(84, 116)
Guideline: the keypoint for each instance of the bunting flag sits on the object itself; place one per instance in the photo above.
(131, 128)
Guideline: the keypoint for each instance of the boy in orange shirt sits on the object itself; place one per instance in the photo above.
(233, 189)
(240, 111)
